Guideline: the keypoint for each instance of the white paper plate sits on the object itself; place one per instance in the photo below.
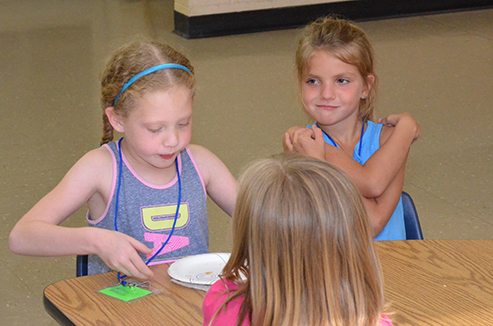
(199, 269)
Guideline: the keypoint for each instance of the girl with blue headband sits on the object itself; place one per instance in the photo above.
(338, 84)
(147, 192)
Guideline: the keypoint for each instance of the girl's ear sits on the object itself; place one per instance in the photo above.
(370, 80)
(115, 119)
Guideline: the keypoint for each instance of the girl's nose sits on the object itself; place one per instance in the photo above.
(171, 139)
(327, 92)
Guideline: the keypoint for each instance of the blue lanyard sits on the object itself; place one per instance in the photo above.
(121, 277)
(360, 138)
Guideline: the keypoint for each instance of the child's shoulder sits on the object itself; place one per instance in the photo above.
(202, 156)
(91, 173)
(100, 155)
(220, 290)
(98, 160)
(377, 131)
(199, 151)
(216, 178)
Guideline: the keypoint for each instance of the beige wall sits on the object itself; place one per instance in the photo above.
(208, 7)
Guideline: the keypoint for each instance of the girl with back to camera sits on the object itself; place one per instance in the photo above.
(338, 83)
(151, 185)
(302, 251)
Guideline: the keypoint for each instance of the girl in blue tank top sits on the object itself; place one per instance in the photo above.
(337, 81)
(147, 193)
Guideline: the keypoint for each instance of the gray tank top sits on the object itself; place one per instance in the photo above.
(146, 212)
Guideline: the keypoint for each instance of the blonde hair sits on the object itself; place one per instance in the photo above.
(128, 62)
(348, 43)
(301, 238)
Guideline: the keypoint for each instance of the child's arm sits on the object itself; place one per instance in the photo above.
(375, 176)
(220, 184)
(381, 206)
(380, 209)
(38, 233)
(379, 171)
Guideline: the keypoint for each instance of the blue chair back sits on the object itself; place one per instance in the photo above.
(411, 220)
(81, 268)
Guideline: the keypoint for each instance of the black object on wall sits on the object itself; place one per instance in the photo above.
(292, 17)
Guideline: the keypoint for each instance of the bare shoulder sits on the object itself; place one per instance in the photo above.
(202, 155)
(385, 134)
(94, 168)
(209, 165)
(199, 151)
(205, 159)
(97, 159)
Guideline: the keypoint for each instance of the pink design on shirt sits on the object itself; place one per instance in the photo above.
(176, 242)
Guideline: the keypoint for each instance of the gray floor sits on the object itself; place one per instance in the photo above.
(436, 67)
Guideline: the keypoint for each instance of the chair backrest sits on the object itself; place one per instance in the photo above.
(81, 267)
(411, 220)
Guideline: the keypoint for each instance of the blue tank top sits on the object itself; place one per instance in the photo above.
(370, 143)
(146, 212)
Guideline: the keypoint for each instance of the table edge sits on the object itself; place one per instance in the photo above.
(54, 312)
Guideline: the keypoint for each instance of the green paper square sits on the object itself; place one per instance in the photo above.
(125, 293)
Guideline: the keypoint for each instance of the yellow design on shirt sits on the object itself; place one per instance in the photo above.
(160, 218)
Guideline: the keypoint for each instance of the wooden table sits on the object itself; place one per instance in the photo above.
(427, 282)
(439, 282)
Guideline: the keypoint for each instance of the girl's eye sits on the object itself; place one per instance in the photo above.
(312, 81)
(182, 125)
(155, 131)
(342, 81)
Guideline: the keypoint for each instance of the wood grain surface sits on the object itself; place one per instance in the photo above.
(439, 282)
(427, 282)
(79, 301)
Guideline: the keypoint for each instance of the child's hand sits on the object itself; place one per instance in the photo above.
(119, 252)
(287, 141)
(305, 141)
(405, 118)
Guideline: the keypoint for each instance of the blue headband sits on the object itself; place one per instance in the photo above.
(150, 71)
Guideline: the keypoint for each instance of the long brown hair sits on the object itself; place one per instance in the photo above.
(348, 43)
(301, 238)
(128, 62)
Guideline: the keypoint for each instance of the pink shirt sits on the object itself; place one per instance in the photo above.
(217, 294)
